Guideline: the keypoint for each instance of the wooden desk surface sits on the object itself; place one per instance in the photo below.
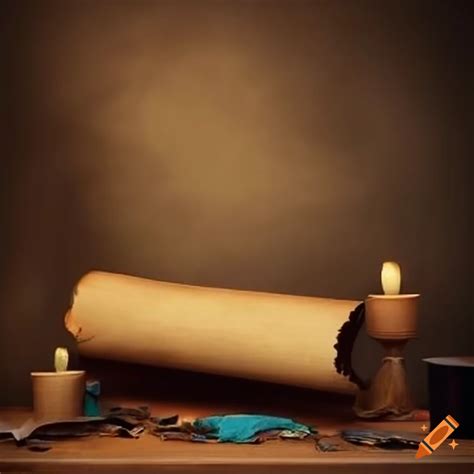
(150, 454)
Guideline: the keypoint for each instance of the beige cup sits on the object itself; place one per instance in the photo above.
(58, 395)
(392, 316)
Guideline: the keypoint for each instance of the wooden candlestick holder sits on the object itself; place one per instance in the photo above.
(391, 321)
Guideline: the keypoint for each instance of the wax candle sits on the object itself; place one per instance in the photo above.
(58, 395)
(392, 315)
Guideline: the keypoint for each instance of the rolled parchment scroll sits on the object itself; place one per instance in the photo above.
(262, 336)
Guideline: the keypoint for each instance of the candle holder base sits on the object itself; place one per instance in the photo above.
(388, 395)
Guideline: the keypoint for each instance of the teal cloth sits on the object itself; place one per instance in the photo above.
(244, 428)
(91, 398)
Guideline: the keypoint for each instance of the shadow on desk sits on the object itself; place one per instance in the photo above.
(198, 391)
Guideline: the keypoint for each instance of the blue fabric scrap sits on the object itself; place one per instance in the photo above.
(91, 398)
(245, 428)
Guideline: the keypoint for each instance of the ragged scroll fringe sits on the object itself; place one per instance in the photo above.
(345, 343)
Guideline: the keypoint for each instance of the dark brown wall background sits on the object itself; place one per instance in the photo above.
(276, 146)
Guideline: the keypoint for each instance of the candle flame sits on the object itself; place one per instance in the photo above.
(391, 278)
(61, 359)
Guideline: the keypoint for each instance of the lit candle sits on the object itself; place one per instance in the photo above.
(58, 395)
(391, 278)
(391, 315)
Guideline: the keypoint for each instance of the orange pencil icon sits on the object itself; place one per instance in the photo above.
(436, 437)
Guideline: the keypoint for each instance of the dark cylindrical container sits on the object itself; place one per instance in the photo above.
(451, 391)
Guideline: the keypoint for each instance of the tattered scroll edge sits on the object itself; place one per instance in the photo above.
(345, 344)
(70, 322)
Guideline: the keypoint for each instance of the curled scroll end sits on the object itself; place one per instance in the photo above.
(345, 343)
(69, 318)
(70, 324)
(74, 328)
(70, 321)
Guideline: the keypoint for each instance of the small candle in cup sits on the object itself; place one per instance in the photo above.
(392, 315)
(58, 395)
